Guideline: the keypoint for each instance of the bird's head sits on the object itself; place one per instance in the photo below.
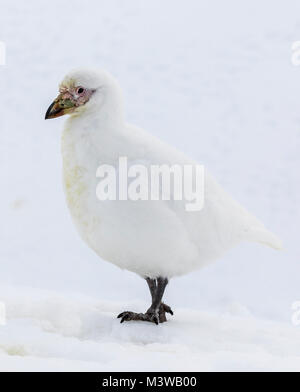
(83, 90)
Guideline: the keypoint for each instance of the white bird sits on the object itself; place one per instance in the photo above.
(156, 239)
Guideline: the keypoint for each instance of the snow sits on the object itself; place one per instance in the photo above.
(50, 331)
(225, 70)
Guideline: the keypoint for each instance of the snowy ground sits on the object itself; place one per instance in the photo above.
(214, 79)
(49, 331)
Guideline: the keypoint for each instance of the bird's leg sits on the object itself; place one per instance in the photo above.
(152, 286)
(157, 295)
(157, 311)
(163, 308)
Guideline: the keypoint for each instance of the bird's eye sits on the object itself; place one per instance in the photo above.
(80, 90)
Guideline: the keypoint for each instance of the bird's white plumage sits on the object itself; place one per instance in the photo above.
(150, 238)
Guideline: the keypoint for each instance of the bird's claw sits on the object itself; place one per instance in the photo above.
(156, 317)
(150, 316)
(165, 308)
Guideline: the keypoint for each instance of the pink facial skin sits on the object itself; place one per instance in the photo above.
(68, 100)
(78, 95)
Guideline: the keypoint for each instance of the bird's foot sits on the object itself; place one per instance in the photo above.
(151, 316)
(163, 309)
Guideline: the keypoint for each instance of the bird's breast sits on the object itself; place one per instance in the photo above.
(79, 168)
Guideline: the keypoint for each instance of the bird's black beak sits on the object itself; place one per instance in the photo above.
(59, 107)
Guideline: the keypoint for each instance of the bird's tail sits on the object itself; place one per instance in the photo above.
(265, 237)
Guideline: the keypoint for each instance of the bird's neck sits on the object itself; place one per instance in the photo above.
(95, 133)
(110, 114)
(107, 115)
